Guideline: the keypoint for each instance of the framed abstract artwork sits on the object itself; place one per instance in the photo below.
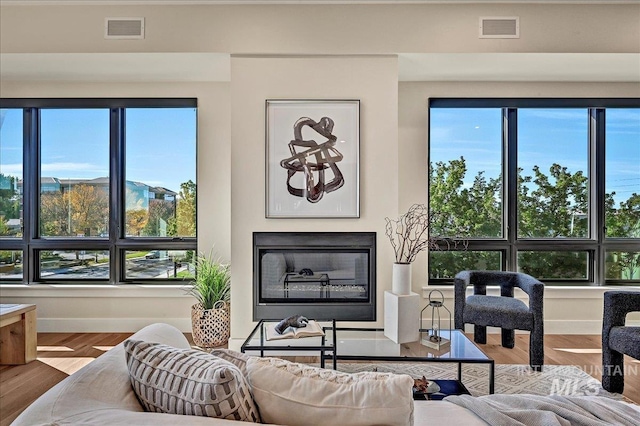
(313, 156)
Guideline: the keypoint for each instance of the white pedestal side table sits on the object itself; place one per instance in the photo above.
(402, 317)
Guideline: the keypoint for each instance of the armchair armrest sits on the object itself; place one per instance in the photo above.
(617, 304)
(476, 278)
(534, 289)
(460, 282)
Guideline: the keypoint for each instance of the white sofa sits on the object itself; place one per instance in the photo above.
(101, 393)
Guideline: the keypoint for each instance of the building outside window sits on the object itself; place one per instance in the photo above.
(97, 190)
(549, 187)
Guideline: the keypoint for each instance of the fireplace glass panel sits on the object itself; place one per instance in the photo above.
(321, 275)
(314, 276)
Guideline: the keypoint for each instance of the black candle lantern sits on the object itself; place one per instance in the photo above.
(432, 336)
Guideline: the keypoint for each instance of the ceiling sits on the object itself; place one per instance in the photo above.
(166, 67)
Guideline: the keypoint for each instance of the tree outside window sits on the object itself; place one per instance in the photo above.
(550, 229)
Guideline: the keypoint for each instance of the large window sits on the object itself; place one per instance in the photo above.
(98, 190)
(11, 164)
(544, 186)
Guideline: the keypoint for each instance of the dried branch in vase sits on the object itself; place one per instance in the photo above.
(409, 235)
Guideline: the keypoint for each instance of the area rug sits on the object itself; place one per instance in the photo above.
(509, 379)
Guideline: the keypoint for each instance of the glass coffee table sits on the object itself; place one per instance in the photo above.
(257, 343)
(370, 344)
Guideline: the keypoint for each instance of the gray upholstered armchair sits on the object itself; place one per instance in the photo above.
(618, 340)
(502, 311)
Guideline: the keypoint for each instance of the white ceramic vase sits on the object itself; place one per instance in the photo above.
(401, 280)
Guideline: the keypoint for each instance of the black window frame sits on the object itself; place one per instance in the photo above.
(597, 244)
(117, 244)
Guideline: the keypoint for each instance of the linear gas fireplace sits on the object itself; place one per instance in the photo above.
(321, 275)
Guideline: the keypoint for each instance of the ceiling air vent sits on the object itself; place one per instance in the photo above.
(500, 27)
(124, 28)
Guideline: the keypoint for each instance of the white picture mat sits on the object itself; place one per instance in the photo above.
(281, 117)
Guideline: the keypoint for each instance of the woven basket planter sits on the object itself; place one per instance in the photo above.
(211, 327)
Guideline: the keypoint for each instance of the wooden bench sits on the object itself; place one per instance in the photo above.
(18, 338)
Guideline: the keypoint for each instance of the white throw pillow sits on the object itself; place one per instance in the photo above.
(298, 394)
(188, 381)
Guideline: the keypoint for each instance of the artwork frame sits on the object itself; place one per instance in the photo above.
(312, 152)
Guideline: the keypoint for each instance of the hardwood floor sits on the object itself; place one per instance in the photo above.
(61, 354)
(583, 351)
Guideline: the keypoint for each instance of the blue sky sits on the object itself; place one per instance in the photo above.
(545, 136)
(161, 144)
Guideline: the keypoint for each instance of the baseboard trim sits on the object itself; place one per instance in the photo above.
(131, 325)
(235, 344)
(65, 291)
(106, 325)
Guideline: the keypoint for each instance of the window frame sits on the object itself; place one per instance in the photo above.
(597, 244)
(117, 243)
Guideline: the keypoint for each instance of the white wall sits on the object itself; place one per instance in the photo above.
(303, 52)
(374, 81)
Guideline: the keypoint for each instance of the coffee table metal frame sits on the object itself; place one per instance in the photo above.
(263, 345)
(328, 349)
(399, 358)
(295, 278)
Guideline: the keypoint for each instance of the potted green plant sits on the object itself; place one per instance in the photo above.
(211, 316)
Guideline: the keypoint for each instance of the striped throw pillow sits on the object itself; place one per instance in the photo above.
(188, 381)
(238, 359)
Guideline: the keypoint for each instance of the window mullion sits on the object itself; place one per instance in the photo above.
(598, 189)
(116, 191)
(510, 167)
(31, 193)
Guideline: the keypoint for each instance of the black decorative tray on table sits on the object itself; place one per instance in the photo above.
(438, 389)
